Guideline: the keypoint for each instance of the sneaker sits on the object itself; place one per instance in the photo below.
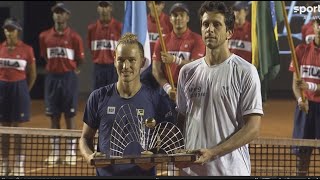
(52, 159)
(17, 171)
(71, 160)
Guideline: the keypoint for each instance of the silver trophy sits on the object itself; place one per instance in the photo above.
(159, 143)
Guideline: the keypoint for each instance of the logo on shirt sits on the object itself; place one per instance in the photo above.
(111, 110)
(239, 44)
(57, 52)
(153, 37)
(196, 91)
(60, 52)
(103, 44)
(18, 64)
(140, 112)
(308, 71)
(179, 54)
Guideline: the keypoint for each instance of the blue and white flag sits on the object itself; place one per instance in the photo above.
(135, 21)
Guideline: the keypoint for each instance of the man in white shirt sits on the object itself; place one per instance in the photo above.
(219, 100)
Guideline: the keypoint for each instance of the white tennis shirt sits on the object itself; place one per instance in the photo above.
(214, 100)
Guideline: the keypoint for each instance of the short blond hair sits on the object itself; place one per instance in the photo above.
(130, 38)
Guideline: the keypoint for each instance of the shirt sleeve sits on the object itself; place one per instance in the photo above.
(31, 59)
(299, 53)
(42, 46)
(181, 99)
(91, 109)
(251, 93)
(78, 47)
(89, 37)
(156, 53)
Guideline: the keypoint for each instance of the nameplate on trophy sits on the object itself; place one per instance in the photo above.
(142, 160)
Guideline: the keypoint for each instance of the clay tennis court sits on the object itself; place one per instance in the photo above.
(276, 123)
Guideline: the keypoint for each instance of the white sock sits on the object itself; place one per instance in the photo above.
(71, 146)
(55, 146)
(19, 160)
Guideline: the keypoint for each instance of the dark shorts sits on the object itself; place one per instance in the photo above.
(14, 101)
(306, 126)
(104, 74)
(61, 94)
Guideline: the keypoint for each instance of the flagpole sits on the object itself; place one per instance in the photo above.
(163, 46)
(294, 57)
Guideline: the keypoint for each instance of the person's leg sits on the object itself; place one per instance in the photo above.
(303, 161)
(4, 121)
(304, 128)
(71, 143)
(69, 109)
(5, 147)
(54, 142)
(19, 160)
(21, 113)
(53, 103)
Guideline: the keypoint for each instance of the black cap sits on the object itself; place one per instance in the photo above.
(12, 22)
(238, 5)
(61, 6)
(180, 6)
(104, 3)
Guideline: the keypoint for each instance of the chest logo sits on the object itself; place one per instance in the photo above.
(111, 110)
(140, 112)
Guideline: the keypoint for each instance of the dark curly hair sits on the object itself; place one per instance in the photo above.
(218, 6)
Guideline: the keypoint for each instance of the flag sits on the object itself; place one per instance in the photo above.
(135, 21)
(265, 46)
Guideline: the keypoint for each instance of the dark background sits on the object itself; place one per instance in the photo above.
(36, 16)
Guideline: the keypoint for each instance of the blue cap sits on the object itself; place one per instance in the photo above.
(61, 6)
(180, 6)
(12, 22)
(238, 5)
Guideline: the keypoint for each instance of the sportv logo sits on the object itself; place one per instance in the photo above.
(303, 9)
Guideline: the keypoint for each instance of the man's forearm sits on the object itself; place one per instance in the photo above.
(246, 134)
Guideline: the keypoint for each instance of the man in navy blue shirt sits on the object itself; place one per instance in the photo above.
(122, 103)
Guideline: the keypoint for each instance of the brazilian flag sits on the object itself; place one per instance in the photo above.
(264, 35)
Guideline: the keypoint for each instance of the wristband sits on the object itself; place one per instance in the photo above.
(312, 86)
(177, 60)
(299, 100)
(167, 87)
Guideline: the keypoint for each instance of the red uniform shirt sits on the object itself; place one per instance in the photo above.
(187, 47)
(102, 40)
(308, 56)
(166, 27)
(13, 63)
(240, 42)
(61, 50)
(307, 32)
